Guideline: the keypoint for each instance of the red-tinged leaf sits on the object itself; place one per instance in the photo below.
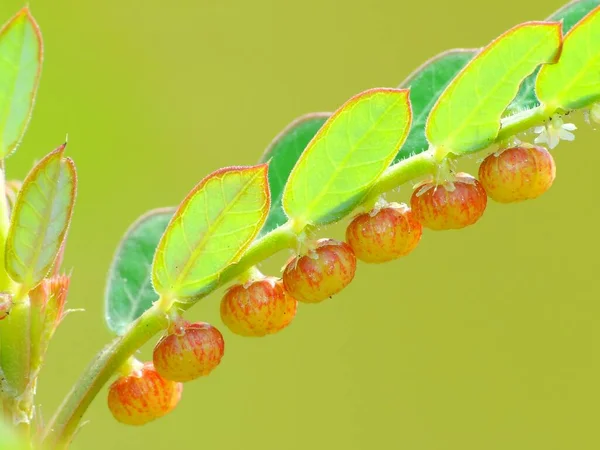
(21, 54)
(210, 230)
(41, 218)
(466, 117)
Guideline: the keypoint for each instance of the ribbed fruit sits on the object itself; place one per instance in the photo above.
(324, 271)
(194, 350)
(385, 234)
(258, 308)
(142, 396)
(449, 206)
(517, 174)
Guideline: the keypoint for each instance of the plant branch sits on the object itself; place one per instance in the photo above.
(60, 430)
(64, 424)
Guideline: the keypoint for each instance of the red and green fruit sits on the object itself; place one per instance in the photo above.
(258, 308)
(385, 234)
(192, 350)
(327, 268)
(142, 396)
(449, 206)
(517, 174)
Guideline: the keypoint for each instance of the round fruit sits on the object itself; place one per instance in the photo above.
(517, 174)
(324, 271)
(449, 206)
(191, 352)
(384, 235)
(258, 308)
(142, 396)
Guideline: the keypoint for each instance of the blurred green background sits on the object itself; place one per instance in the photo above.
(481, 339)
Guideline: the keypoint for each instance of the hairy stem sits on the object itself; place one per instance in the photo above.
(64, 424)
(59, 432)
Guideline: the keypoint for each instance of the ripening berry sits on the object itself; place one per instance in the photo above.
(384, 235)
(517, 174)
(449, 206)
(142, 396)
(324, 271)
(258, 308)
(191, 352)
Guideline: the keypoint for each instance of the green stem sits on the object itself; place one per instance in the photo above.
(406, 170)
(64, 424)
(523, 121)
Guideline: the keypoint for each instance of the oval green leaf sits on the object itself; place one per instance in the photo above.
(129, 292)
(466, 117)
(426, 85)
(574, 81)
(210, 230)
(347, 156)
(282, 155)
(20, 69)
(570, 14)
(41, 218)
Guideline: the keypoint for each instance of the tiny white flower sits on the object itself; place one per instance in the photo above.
(554, 131)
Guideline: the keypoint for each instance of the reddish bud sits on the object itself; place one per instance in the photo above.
(258, 308)
(194, 350)
(49, 298)
(517, 174)
(384, 235)
(142, 396)
(321, 273)
(451, 205)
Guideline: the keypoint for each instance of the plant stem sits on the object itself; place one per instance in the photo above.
(59, 432)
(64, 424)
(523, 121)
(398, 174)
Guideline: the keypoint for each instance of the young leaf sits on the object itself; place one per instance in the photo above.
(282, 155)
(129, 291)
(426, 84)
(20, 69)
(570, 14)
(41, 218)
(210, 230)
(574, 81)
(347, 155)
(466, 117)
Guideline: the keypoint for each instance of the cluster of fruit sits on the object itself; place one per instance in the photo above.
(266, 305)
